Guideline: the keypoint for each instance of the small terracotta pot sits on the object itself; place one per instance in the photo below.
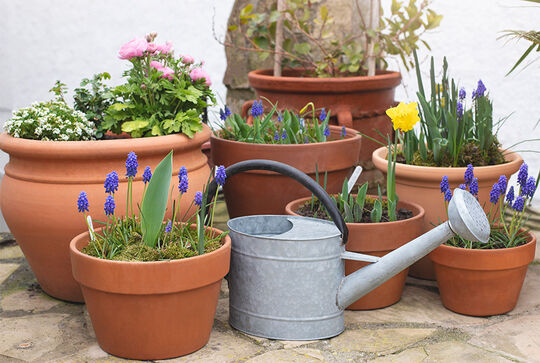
(43, 179)
(421, 184)
(377, 239)
(265, 192)
(355, 102)
(482, 282)
(151, 310)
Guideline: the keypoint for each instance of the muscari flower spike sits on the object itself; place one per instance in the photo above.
(510, 195)
(198, 199)
(343, 131)
(469, 174)
(279, 117)
(503, 183)
(276, 136)
(494, 194)
(481, 89)
(326, 131)
(459, 111)
(473, 188)
(447, 195)
(147, 175)
(82, 202)
(519, 204)
(284, 134)
(224, 113)
(322, 116)
(462, 94)
(183, 184)
(257, 108)
(462, 187)
(131, 165)
(523, 174)
(221, 175)
(168, 227)
(111, 182)
(444, 184)
(530, 187)
(109, 205)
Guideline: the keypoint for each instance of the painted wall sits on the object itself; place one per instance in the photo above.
(46, 40)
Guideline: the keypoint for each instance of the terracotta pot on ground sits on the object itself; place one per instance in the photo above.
(377, 239)
(151, 310)
(265, 192)
(44, 178)
(421, 184)
(482, 282)
(355, 102)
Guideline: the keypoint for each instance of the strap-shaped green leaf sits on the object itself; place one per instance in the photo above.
(155, 200)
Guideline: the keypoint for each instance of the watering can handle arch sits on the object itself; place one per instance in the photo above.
(299, 176)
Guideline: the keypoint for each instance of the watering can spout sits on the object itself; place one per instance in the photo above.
(465, 218)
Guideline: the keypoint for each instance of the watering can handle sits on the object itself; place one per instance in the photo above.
(287, 170)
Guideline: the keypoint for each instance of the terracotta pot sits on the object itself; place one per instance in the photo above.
(151, 310)
(42, 182)
(377, 239)
(481, 282)
(355, 102)
(264, 192)
(421, 184)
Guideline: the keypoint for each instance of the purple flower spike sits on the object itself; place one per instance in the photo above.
(481, 89)
(530, 187)
(523, 174)
(343, 131)
(257, 108)
(503, 183)
(182, 172)
(183, 184)
(469, 174)
(322, 116)
(519, 203)
(111, 182)
(82, 202)
(147, 175)
(462, 187)
(494, 194)
(284, 135)
(326, 131)
(131, 165)
(198, 199)
(473, 188)
(462, 94)
(221, 175)
(447, 195)
(459, 111)
(510, 195)
(168, 227)
(444, 184)
(109, 205)
(276, 136)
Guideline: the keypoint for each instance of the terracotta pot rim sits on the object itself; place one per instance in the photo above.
(151, 264)
(419, 215)
(98, 149)
(473, 251)
(266, 75)
(434, 172)
(333, 129)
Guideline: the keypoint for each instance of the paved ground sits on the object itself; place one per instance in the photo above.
(36, 327)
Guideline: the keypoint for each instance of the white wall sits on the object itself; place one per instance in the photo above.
(46, 40)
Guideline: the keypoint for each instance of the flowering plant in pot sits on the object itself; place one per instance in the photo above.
(486, 279)
(303, 140)
(451, 136)
(377, 225)
(126, 266)
(54, 148)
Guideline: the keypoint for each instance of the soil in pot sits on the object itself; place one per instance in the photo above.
(375, 239)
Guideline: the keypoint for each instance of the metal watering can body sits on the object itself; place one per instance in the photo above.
(286, 279)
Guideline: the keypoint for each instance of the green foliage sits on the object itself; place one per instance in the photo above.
(308, 32)
(93, 98)
(277, 127)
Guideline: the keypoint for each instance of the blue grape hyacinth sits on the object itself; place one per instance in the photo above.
(198, 199)
(530, 187)
(462, 94)
(469, 174)
(503, 184)
(109, 205)
(473, 188)
(284, 134)
(444, 184)
(519, 203)
(481, 89)
(279, 117)
(494, 194)
(111, 182)
(447, 195)
(82, 202)
(343, 131)
(462, 187)
(459, 111)
(276, 136)
(224, 113)
(326, 131)
(183, 184)
(257, 108)
(322, 116)
(522, 175)
(147, 175)
(131, 165)
(221, 175)
(168, 227)
(510, 195)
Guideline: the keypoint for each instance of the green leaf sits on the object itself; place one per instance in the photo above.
(130, 126)
(361, 196)
(119, 107)
(376, 212)
(302, 48)
(154, 204)
(324, 12)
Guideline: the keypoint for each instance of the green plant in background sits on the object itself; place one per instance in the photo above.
(286, 127)
(95, 101)
(162, 94)
(306, 32)
(450, 133)
(146, 237)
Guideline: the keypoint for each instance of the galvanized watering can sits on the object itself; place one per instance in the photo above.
(286, 279)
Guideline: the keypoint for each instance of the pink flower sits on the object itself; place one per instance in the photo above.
(199, 73)
(167, 72)
(152, 47)
(157, 65)
(164, 48)
(187, 59)
(134, 48)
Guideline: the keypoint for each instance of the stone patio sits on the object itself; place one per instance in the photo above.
(35, 327)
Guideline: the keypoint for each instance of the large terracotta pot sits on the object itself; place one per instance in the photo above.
(355, 102)
(377, 239)
(421, 184)
(42, 182)
(264, 192)
(151, 310)
(481, 282)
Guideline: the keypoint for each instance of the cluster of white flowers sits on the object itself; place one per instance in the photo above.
(53, 120)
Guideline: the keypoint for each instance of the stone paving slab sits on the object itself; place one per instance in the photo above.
(37, 328)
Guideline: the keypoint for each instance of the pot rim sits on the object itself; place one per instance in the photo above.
(420, 215)
(73, 248)
(333, 128)
(434, 172)
(99, 149)
(462, 250)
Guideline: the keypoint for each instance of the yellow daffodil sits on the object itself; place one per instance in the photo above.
(404, 116)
